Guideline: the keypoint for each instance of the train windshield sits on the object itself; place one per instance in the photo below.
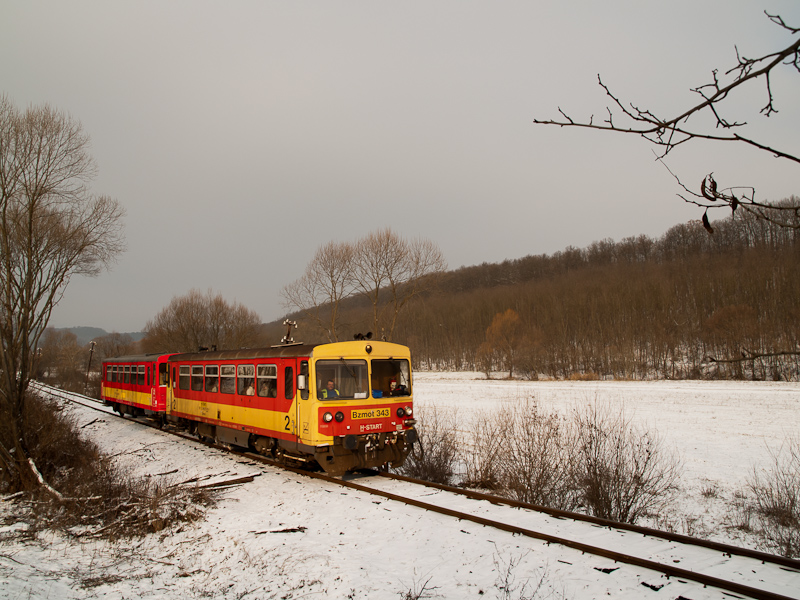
(391, 377)
(342, 379)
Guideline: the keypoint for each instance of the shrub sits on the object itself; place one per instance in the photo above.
(535, 461)
(621, 471)
(775, 498)
(433, 457)
(483, 454)
(96, 498)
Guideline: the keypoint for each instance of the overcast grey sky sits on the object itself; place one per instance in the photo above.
(240, 136)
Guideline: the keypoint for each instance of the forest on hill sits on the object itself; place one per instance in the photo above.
(679, 306)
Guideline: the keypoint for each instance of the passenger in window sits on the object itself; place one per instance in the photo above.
(397, 390)
(268, 389)
(330, 390)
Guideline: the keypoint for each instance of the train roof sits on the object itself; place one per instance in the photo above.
(284, 351)
(137, 357)
(279, 351)
(327, 350)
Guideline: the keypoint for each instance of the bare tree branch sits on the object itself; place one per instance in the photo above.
(669, 133)
(749, 355)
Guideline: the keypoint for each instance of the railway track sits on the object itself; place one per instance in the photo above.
(738, 571)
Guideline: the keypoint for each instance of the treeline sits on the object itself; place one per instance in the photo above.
(638, 308)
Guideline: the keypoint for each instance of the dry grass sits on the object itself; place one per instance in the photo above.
(433, 457)
(588, 376)
(97, 499)
(594, 459)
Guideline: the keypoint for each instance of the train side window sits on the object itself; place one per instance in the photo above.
(197, 378)
(149, 380)
(140, 378)
(113, 374)
(212, 378)
(183, 377)
(288, 382)
(246, 381)
(267, 381)
(127, 372)
(227, 382)
(302, 380)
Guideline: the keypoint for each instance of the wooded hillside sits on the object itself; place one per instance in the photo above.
(637, 308)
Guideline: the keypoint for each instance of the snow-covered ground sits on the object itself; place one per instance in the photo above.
(285, 536)
(720, 430)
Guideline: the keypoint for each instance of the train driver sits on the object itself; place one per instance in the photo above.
(330, 390)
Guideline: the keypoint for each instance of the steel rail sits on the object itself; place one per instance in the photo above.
(565, 514)
(666, 569)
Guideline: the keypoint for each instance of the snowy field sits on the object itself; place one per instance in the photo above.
(720, 430)
(284, 536)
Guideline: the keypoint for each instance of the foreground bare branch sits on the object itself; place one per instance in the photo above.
(668, 133)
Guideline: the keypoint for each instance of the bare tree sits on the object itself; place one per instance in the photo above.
(327, 280)
(51, 228)
(62, 360)
(199, 320)
(115, 344)
(504, 338)
(385, 268)
(670, 132)
(390, 270)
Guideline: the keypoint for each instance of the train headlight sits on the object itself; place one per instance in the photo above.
(401, 412)
(339, 417)
(408, 411)
(327, 417)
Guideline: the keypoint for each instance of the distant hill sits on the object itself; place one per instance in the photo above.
(685, 305)
(87, 334)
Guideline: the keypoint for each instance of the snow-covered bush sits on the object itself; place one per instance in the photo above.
(775, 497)
(434, 456)
(621, 471)
(535, 462)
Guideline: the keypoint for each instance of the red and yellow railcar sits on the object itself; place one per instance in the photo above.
(276, 401)
(343, 405)
(136, 385)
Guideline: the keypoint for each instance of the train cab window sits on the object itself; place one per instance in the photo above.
(390, 377)
(349, 377)
(212, 378)
(246, 381)
(127, 374)
(163, 374)
(288, 382)
(227, 382)
(183, 377)
(267, 381)
(140, 378)
(197, 378)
